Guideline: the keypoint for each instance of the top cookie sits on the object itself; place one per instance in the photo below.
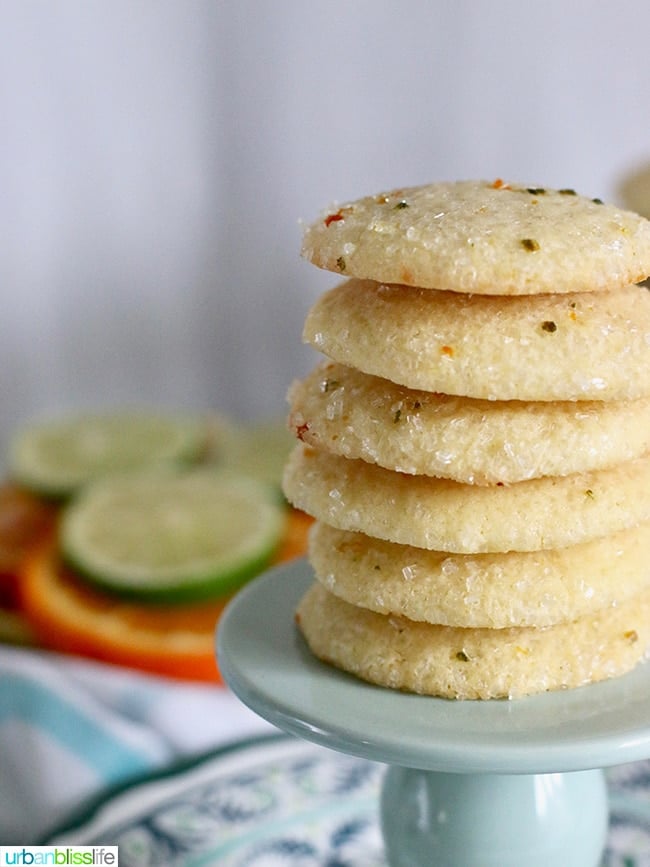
(484, 238)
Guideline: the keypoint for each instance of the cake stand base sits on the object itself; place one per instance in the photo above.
(493, 820)
(470, 783)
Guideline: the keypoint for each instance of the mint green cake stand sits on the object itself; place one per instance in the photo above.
(469, 784)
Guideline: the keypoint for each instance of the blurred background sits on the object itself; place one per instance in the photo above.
(158, 156)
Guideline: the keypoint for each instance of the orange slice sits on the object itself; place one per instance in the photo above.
(24, 520)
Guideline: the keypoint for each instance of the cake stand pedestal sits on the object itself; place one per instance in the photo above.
(469, 783)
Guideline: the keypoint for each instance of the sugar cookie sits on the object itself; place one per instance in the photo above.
(593, 346)
(473, 663)
(536, 588)
(357, 415)
(483, 237)
(443, 515)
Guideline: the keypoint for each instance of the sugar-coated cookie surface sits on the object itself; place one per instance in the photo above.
(591, 346)
(473, 663)
(443, 515)
(483, 237)
(538, 588)
(358, 415)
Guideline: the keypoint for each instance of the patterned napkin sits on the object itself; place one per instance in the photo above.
(71, 728)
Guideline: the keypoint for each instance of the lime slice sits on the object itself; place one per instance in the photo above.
(56, 458)
(259, 450)
(171, 536)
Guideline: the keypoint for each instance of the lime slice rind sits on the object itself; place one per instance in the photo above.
(55, 459)
(166, 537)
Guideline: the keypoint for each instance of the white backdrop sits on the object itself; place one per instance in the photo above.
(156, 157)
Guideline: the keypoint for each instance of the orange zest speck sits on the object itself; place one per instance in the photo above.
(447, 350)
(339, 215)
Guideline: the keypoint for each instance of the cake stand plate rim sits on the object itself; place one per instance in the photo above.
(266, 663)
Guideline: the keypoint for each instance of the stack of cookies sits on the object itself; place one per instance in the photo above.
(475, 446)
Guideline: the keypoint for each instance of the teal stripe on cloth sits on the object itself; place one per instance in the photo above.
(34, 705)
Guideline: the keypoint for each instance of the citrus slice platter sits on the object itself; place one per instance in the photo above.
(126, 533)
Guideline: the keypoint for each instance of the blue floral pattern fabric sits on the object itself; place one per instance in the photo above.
(280, 802)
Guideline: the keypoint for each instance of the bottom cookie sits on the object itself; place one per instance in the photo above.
(459, 663)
